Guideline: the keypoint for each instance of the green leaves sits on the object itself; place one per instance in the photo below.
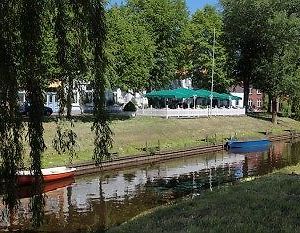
(262, 37)
(165, 20)
(200, 48)
(129, 50)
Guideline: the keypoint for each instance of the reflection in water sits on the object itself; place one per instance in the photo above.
(102, 200)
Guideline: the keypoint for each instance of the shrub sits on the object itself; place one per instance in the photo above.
(129, 107)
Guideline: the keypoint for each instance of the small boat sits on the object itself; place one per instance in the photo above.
(253, 149)
(49, 175)
(248, 144)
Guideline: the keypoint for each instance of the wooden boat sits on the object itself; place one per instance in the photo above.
(49, 175)
(247, 144)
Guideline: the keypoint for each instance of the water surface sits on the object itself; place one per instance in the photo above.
(100, 201)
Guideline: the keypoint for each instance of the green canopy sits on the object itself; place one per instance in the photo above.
(207, 94)
(183, 93)
(179, 93)
(226, 96)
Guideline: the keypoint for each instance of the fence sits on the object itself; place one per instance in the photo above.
(190, 112)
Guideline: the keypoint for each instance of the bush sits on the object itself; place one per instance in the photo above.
(129, 107)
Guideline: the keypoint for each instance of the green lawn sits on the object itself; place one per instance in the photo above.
(132, 135)
(266, 204)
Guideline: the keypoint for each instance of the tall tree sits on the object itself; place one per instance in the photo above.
(166, 20)
(278, 70)
(73, 54)
(129, 49)
(11, 127)
(244, 22)
(33, 70)
(94, 14)
(200, 48)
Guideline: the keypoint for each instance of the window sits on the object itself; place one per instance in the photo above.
(259, 102)
(250, 102)
(250, 91)
(50, 98)
(258, 92)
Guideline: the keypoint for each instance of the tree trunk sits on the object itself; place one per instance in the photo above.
(274, 110)
(269, 103)
(246, 93)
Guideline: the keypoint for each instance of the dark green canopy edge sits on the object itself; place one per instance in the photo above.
(183, 93)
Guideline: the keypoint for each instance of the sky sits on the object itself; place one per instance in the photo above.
(193, 5)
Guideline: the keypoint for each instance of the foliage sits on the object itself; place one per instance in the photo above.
(166, 21)
(263, 40)
(97, 32)
(200, 48)
(244, 22)
(65, 139)
(129, 107)
(11, 127)
(129, 49)
(278, 70)
(41, 41)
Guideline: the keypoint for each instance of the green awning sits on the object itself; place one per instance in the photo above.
(183, 93)
(226, 96)
(207, 94)
(180, 93)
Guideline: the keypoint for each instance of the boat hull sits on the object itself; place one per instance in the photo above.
(252, 149)
(49, 175)
(248, 144)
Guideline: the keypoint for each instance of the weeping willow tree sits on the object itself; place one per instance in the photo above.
(92, 15)
(11, 126)
(33, 40)
(32, 73)
(97, 32)
(65, 137)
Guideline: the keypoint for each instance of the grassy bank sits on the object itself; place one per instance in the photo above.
(266, 204)
(132, 136)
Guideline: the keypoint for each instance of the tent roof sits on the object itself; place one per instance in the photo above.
(181, 93)
(230, 97)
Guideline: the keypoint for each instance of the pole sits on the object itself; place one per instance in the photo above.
(212, 73)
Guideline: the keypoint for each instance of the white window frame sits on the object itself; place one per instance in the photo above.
(250, 102)
(259, 103)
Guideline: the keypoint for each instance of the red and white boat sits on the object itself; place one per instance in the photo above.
(49, 175)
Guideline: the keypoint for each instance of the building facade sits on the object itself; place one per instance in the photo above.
(255, 100)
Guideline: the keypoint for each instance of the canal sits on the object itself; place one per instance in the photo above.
(99, 201)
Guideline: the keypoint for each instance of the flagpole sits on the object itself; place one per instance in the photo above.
(212, 73)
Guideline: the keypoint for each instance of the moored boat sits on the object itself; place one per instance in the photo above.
(49, 175)
(248, 144)
(246, 150)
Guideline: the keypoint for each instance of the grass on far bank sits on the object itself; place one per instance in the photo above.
(266, 204)
(132, 135)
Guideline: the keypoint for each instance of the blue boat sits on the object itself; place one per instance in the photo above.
(245, 150)
(248, 144)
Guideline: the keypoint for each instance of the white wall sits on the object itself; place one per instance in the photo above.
(240, 102)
